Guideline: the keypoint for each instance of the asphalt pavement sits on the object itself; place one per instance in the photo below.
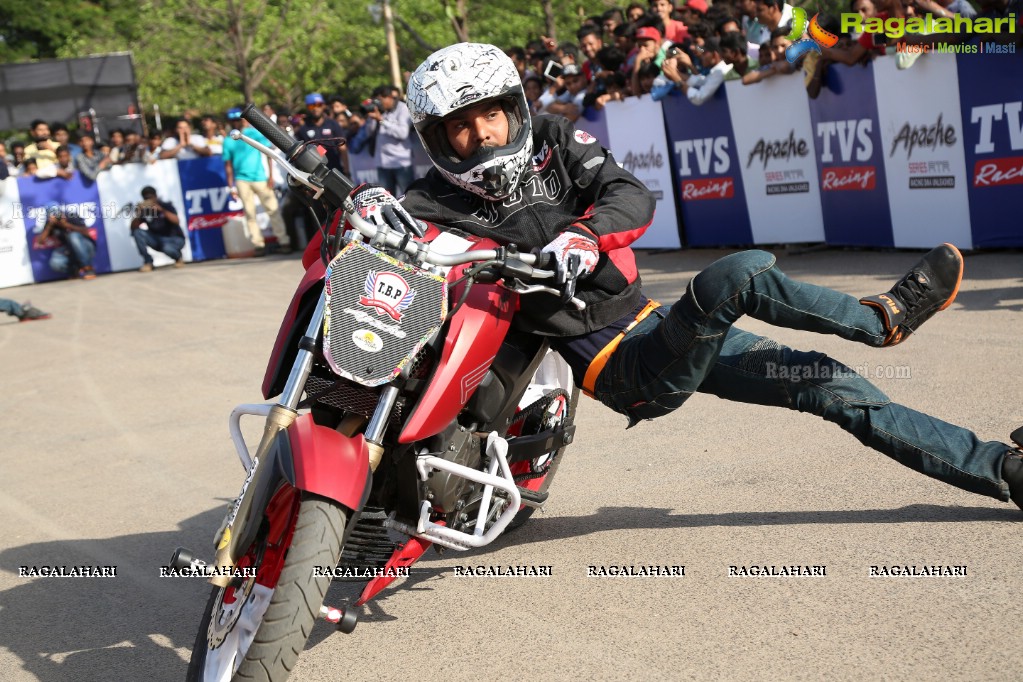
(114, 450)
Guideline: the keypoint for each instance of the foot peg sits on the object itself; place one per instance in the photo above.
(344, 620)
(183, 559)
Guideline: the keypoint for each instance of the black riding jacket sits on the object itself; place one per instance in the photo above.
(575, 185)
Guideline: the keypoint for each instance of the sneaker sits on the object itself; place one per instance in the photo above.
(259, 252)
(929, 287)
(88, 273)
(30, 313)
(284, 250)
(146, 267)
(179, 263)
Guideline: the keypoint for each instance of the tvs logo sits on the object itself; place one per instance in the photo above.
(1007, 170)
(708, 188)
(818, 36)
(388, 293)
(848, 178)
(711, 156)
(541, 158)
(994, 172)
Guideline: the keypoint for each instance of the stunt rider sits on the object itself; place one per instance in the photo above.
(538, 183)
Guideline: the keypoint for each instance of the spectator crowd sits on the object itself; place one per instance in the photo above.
(661, 49)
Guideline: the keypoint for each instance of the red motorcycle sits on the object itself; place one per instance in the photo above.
(407, 407)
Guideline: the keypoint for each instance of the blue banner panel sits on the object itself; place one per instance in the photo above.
(850, 159)
(75, 197)
(991, 93)
(704, 161)
(207, 205)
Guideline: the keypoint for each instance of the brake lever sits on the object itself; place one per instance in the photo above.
(522, 288)
(569, 278)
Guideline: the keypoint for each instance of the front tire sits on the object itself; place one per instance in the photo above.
(263, 623)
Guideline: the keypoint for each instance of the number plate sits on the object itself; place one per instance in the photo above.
(379, 313)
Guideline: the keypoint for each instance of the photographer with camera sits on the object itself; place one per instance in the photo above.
(349, 120)
(385, 135)
(163, 231)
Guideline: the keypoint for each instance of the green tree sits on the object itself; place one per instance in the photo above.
(216, 54)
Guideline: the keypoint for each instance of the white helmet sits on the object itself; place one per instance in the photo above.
(460, 76)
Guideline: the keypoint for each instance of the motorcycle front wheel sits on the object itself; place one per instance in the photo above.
(256, 628)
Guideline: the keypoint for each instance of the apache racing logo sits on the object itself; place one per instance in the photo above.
(388, 293)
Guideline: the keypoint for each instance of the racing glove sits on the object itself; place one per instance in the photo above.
(568, 244)
(378, 206)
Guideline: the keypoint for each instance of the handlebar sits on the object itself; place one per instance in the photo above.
(303, 157)
(308, 166)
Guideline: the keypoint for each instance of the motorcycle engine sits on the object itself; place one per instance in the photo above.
(459, 445)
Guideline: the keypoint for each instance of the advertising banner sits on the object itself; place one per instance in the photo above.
(639, 145)
(922, 133)
(774, 140)
(850, 159)
(120, 189)
(208, 205)
(709, 176)
(15, 265)
(991, 92)
(75, 197)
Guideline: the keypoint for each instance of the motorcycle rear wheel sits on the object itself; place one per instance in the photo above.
(262, 624)
(526, 513)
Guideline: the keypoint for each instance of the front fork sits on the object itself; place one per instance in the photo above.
(240, 526)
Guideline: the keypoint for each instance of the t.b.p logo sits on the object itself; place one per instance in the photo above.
(388, 293)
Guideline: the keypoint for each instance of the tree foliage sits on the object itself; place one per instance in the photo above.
(216, 54)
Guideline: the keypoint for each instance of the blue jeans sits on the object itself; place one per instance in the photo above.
(169, 245)
(77, 252)
(393, 178)
(10, 307)
(692, 346)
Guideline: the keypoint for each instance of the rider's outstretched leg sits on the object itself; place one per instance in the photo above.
(754, 369)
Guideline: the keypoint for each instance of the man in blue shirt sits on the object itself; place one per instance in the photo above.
(249, 177)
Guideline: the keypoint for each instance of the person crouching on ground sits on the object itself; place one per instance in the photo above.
(163, 231)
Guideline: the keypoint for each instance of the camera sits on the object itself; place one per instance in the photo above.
(371, 104)
(552, 70)
(674, 51)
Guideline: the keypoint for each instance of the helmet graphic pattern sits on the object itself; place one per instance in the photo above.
(457, 77)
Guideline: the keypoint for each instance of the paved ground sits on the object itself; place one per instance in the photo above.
(115, 449)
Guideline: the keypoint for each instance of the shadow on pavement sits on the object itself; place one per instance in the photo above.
(88, 629)
(92, 624)
(545, 529)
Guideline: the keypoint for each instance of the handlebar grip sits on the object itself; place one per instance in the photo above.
(260, 122)
(305, 158)
(545, 260)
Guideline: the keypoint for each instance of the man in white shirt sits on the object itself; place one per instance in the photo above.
(184, 144)
(570, 102)
(770, 15)
(700, 88)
